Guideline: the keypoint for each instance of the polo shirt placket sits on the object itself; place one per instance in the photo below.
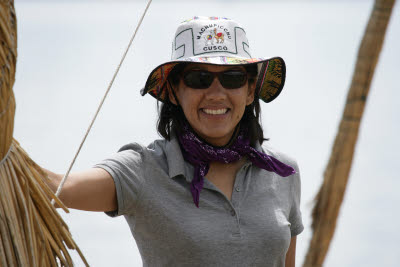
(232, 206)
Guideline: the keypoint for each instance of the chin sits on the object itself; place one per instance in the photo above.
(217, 137)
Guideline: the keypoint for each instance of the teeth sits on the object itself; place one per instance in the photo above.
(215, 111)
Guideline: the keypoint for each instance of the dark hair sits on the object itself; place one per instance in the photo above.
(171, 117)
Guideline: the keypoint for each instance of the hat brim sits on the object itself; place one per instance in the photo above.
(270, 80)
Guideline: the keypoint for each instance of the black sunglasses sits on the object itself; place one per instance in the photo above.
(202, 79)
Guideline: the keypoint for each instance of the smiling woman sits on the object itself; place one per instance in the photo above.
(210, 192)
(215, 111)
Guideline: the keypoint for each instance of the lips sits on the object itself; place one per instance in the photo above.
(220, 111)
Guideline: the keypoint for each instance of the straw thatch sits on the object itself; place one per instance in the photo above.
(32, 233)
(330, 196)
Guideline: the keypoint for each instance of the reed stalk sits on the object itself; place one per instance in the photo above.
(32, 232)
(336, 175)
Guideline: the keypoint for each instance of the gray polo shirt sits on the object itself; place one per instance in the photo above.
(253, 229)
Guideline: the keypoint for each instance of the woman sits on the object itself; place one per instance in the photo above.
(207, 194)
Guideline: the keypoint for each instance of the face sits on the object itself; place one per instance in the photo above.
(214, 112)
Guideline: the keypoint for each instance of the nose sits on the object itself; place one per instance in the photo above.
(216, 91)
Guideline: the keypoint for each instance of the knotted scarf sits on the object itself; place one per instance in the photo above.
(200, 154)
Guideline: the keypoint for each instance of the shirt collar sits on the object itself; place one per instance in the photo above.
(176, 162)
(258, 147)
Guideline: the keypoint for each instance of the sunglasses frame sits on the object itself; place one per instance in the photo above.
(218, 74)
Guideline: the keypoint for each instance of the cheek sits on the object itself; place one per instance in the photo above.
(240, 100)
(189, 102)
(189, 111)
(240, 115)
(240, 103)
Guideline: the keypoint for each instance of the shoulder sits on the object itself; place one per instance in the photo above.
(130, 157)
(160, 153)
(153, 147)
(155, 151)
(283, 157)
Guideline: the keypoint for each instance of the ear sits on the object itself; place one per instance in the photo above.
(250, 93)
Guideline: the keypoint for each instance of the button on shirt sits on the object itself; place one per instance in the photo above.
(253, 229)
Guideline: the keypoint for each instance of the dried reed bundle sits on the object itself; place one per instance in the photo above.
(32, 233)
(330, 196)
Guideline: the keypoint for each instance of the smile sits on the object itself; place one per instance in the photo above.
(215, 111)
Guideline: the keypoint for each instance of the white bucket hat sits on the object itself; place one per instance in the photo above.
(219, 41)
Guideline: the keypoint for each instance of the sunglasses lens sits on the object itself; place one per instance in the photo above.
(202, 79)
(233, 79)
(198, 79)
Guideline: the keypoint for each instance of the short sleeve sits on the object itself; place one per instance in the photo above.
(126, 168)
(295, 218)
(294, 191)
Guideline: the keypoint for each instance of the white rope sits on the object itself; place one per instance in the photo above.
(101, 103)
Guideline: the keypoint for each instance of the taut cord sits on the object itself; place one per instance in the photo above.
(101, 103)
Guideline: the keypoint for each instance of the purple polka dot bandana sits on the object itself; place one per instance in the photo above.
(200, 154)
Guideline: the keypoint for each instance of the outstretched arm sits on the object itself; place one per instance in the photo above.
(91, 190)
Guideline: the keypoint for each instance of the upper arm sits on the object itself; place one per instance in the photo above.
(295, 217)
(291, 253)
(91, 190)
